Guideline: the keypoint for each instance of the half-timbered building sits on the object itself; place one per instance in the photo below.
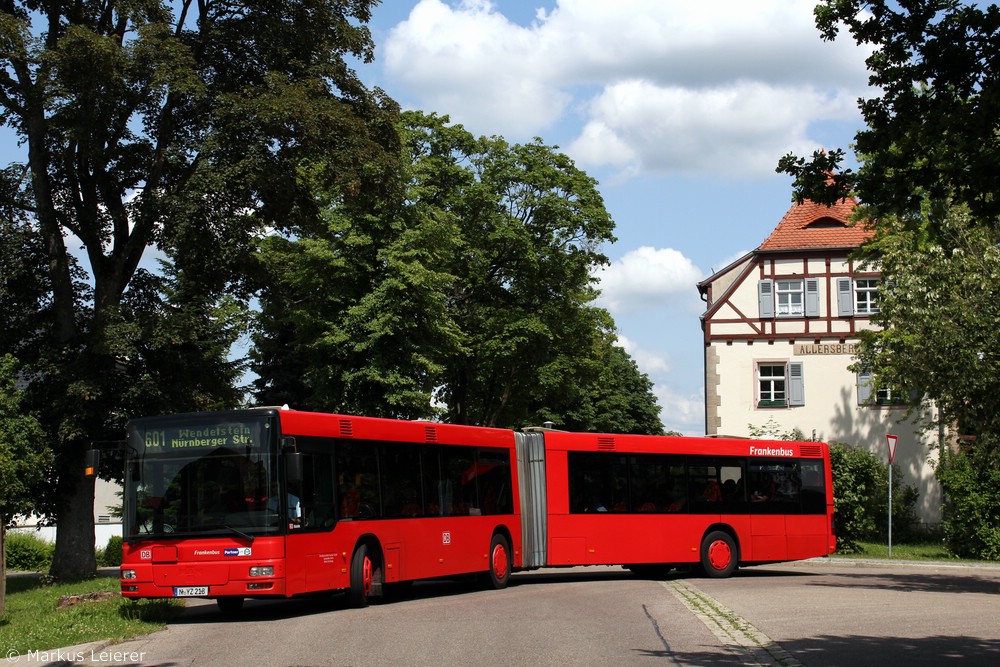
(780, 331)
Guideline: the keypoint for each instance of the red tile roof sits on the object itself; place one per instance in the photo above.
(812, 225)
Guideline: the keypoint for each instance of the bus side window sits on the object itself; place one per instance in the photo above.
(357, 481)
(400, 466)
(775, 487)
(813, 488)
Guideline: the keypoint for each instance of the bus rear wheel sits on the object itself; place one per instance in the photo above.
(362, 577)
(500, 562)
(718, 555)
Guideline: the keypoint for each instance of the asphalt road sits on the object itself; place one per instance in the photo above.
(815, 613)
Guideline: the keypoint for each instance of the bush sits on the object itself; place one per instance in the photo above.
(860, 498)
(111, 556)
(28, 553)
(971, 481)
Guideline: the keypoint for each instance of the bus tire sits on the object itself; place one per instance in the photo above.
(362, 577)
(230, 606)
(719, 557)
(499, 561)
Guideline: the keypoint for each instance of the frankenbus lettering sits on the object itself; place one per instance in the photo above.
(770, 451)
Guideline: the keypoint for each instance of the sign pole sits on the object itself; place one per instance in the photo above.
(890, 509)
(891, 441)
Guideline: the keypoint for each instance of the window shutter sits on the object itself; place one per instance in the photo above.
(796, 384)
(845, 297)
(864, 387)
(765, 298)
(812, 297)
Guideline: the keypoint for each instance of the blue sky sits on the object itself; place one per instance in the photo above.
(681, 111)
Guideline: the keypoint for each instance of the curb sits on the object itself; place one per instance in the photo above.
(890, 562)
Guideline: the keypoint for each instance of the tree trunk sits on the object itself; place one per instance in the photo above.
(74, 557)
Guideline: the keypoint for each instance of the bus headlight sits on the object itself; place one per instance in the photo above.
(262, 571)
(128, 574)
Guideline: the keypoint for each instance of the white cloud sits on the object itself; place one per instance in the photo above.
(739, 129)
(651, 85)
(678, 412)
(646, 277)
(649, 362)
(472, 63)
(685, 414)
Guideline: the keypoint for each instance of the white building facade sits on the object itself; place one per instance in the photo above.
(107, 523)
(780, 331)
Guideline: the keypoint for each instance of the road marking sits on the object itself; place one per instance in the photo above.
(734, 631)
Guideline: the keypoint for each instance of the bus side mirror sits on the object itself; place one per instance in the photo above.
(293, 467)
(293, 460)
(91, 462)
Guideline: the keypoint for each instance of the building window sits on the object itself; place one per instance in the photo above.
(865, 296)
(771, 384)
(857, 297)
(886, 396)
(790, 297)
(780, 384)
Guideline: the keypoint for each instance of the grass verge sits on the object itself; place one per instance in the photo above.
(31, 621)
(929, 551)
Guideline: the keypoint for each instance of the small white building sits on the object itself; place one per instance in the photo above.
(780, 331)
(106, 524)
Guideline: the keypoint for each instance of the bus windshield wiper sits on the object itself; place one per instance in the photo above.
(248, 537)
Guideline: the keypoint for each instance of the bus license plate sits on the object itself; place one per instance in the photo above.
(190, 591)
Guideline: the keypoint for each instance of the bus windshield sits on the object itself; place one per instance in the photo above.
(202, 475)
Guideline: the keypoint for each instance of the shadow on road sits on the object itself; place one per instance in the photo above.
(857, 650)
(916, 582)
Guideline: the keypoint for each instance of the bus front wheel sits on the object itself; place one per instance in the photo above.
(718, 554)
(500, 562)
(362, 577)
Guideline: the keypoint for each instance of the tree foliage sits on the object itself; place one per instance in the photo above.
(188, 127)
(971, 480)
(466, 298)
(861, 499)
(932, 131)
(928, 181)
(938, 314)
(23, 459)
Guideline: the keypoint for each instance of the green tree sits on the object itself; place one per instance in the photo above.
(932, 132)
(928, 183)
(23, 459)
(596, 389)
(971, 479)
(937, 321)
(189, 127)
(468, 297)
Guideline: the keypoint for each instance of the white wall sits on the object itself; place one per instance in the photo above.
(831, 413)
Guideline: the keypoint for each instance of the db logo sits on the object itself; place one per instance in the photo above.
(146, 554)
(446, 537)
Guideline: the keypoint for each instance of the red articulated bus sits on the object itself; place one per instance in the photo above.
(272, 502)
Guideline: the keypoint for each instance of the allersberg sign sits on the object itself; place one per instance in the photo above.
(809, 349)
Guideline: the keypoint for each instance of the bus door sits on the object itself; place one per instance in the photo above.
(767, 491)
(314, 560)
(809, 531)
